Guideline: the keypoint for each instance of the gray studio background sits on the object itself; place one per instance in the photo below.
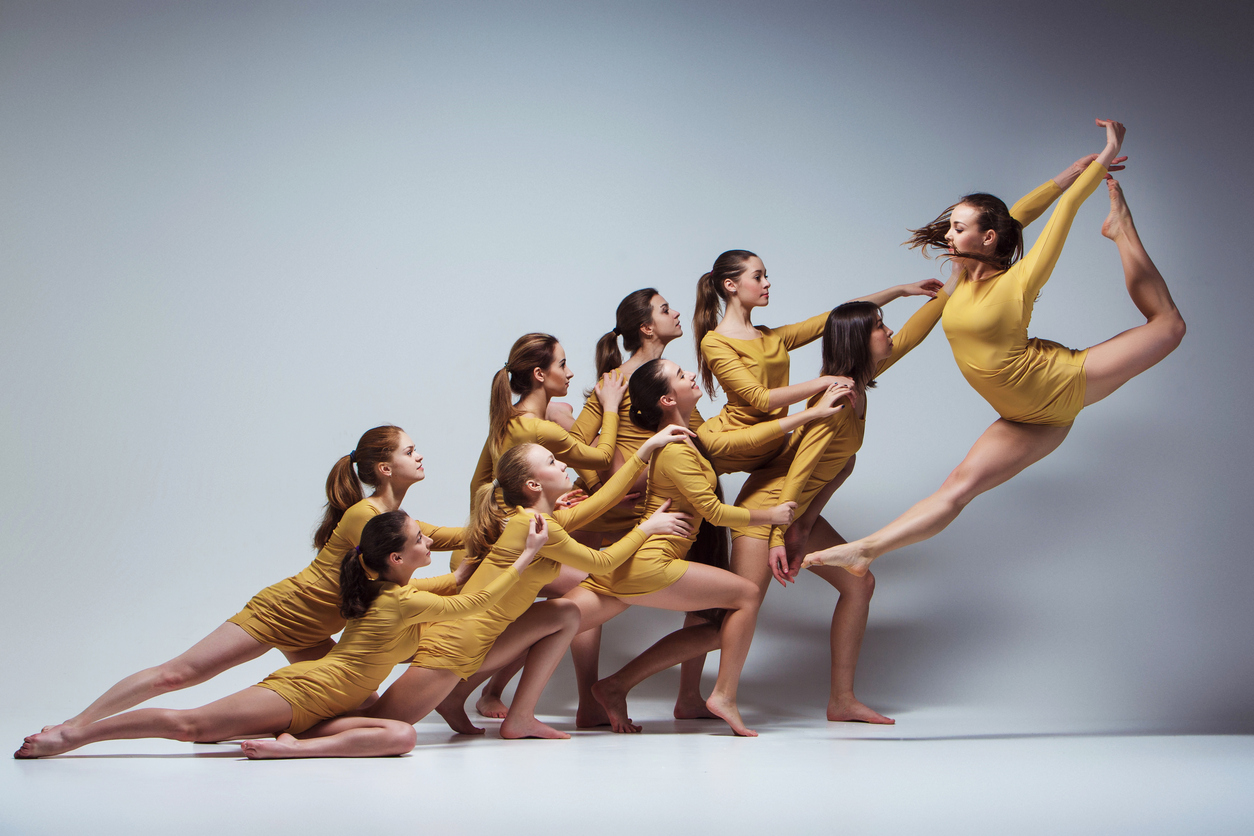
(234, 236)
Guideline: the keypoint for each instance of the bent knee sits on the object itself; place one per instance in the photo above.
(567, 612)
(746, 594)
(402, 738)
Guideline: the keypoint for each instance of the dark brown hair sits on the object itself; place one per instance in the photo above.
(376, 446)
(633, 313)
(383, 536)
(487, 517)
(847, 341)
(991, 213)
(530, 352)
(710, 301)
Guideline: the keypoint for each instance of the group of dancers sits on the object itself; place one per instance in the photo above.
(541, 565)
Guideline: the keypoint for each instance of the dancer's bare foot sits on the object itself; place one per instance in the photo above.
(46, 744)
(454, 713)
(727, 711)
(1119, 221)
(47, 729)
(848, 556)
(852, 711)
(591, 715)
(613, 700)
(518, 728)
(692, 707)
(490, 705)
(283, 746)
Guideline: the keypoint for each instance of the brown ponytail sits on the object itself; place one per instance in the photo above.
(383, 536)
(487, 517)
(711, 299)
(633, 313)
(991, 214)
(376, 446)
(530, 352)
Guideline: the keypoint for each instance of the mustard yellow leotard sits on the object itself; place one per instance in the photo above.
(631, 436)
(523, 429)
(1029, 380)
(304, 610)
(747, 370)
(372, 645)
(819, 450)
(462, 645)
(681, 474)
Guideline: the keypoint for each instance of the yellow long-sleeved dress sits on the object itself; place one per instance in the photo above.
(1030, 380)
(461, 646)
(372, 645)
(819, 450)
(631, 436)
(304, 610)
(568, 448)
(681, 474)
(747, 370)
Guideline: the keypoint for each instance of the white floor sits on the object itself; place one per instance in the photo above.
(936, 771)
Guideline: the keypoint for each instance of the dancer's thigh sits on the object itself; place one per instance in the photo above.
(594, 609)
(701, 588)
(1005, 449)
(541, 619)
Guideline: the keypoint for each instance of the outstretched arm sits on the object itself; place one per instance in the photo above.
(927, 287)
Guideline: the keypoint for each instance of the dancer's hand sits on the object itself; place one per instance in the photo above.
(927, 287)
(663, 521)
(1114, 140)
(610, 389)
(570, 499)
(668, 434)
(842, 380)
(537, 536)
(830, 401)
(783, 568)
(1073, 171)
(783, 514)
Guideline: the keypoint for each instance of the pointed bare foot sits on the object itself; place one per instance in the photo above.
(727, 711)
(45, 744)
(852, 711)
(47, 729)
(613, 699)
(455, 715)
(1119, 221)
(283, 746)
(490, 705)
(848, 556)
(692, 707)
(518, 728)
(591, 715)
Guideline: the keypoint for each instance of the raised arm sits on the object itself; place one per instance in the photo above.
(927, 287)
(916, 329)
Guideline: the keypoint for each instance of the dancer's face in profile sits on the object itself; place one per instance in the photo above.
(965, 235)
(557, 376)
(881, 342)
(417, 551)
(548, 475)
(666, 325)
(752, 288)
(406, 462)
(684, 389)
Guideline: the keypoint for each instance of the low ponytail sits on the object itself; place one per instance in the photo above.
(529, 352)
(711, 299)
(383, 536)
(487, 516)
(343, 487)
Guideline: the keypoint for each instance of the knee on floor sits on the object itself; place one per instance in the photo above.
(401, 738)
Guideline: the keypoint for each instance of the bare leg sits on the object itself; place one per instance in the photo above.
(585, 650)
(705, 587)
(1109, 365)
(341, 737)
(848, 628)
(1005, 449)
(221, 650)
(690, 643)
(689, 704)
(490, 702)
(414, 695)
(252, 711)
(798, 534)
(543, 633)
